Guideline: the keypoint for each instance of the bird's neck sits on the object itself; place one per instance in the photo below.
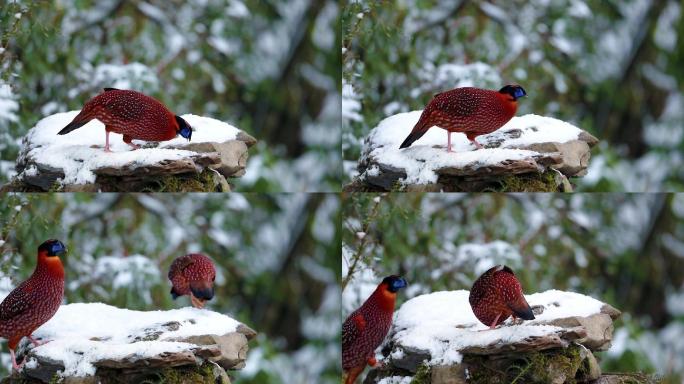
(384, 298)
(50, 266)
(509, 103)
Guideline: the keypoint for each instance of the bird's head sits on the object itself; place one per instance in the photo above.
(394, 283)
(514, 91)
(184, 129)
(52, 248)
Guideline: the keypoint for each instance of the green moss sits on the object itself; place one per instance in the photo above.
(530, 182)
(422, 375)
(206, 181)
(203, 374)
(535, 367)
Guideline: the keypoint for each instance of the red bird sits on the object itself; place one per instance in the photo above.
(36, 300)
(132, 114)
(193, 275)
(496, 295)
(473, 111)
(365, 329)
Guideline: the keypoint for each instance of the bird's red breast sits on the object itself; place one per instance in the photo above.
(34, 301)
(375, 316)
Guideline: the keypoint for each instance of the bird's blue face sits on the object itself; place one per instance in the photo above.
(184, 129)
(515, 91)
(395, 283)
(53, 248)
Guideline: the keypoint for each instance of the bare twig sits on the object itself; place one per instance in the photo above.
(363, 241)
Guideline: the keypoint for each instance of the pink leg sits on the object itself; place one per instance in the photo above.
(107, 141)
(477, 145)
(36, 342)
(135, 146)
(14, 361)
(494, 322)
(448, 141)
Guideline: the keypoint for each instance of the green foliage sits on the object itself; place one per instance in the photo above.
(422, 375)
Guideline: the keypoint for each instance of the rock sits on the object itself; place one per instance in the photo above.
(448, 374)
(556, 347)
(528, 147)
(77, 163)
(411, 358)
(92, 352)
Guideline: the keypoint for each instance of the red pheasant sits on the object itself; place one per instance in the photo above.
(132, 114)
(36, 300)
(193, 275)
(473, 111)
(496, 295)
(365, 329)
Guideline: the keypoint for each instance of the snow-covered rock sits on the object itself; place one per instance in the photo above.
(96, 340)
(528, 144)
(77, 161)
(440, 331)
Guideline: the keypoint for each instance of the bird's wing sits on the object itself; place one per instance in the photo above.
(124, 109)
(180, 264)
(457, 102)
(352, 329)
(17, 302)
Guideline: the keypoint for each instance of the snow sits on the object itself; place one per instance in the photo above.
(8, 105)
(456, 75)
(350, 103)
(6, 285)
(80, 152)
(443, 322)
(421, 159)
(73, 328)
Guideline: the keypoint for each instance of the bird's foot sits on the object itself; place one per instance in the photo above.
(196, 302)
(135, 146)
(16, 366)
(106, 149)
(373, 362)
(38, 343)
(477, 145)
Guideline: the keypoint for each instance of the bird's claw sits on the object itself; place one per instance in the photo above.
(196, 302)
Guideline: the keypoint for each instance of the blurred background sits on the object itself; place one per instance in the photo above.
(614, 68)
(623, 249)
(282, 283)
(269, 67)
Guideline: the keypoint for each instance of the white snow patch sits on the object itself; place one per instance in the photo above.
(79, 152)
(8, 104)
(74, 325)
(443, 322)
(421, 159)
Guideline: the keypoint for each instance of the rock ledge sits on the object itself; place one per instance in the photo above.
(77, 162)
(526, 146)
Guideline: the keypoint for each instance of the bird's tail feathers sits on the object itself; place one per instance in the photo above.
(522, 309)
(75, 124)
(416, 133)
